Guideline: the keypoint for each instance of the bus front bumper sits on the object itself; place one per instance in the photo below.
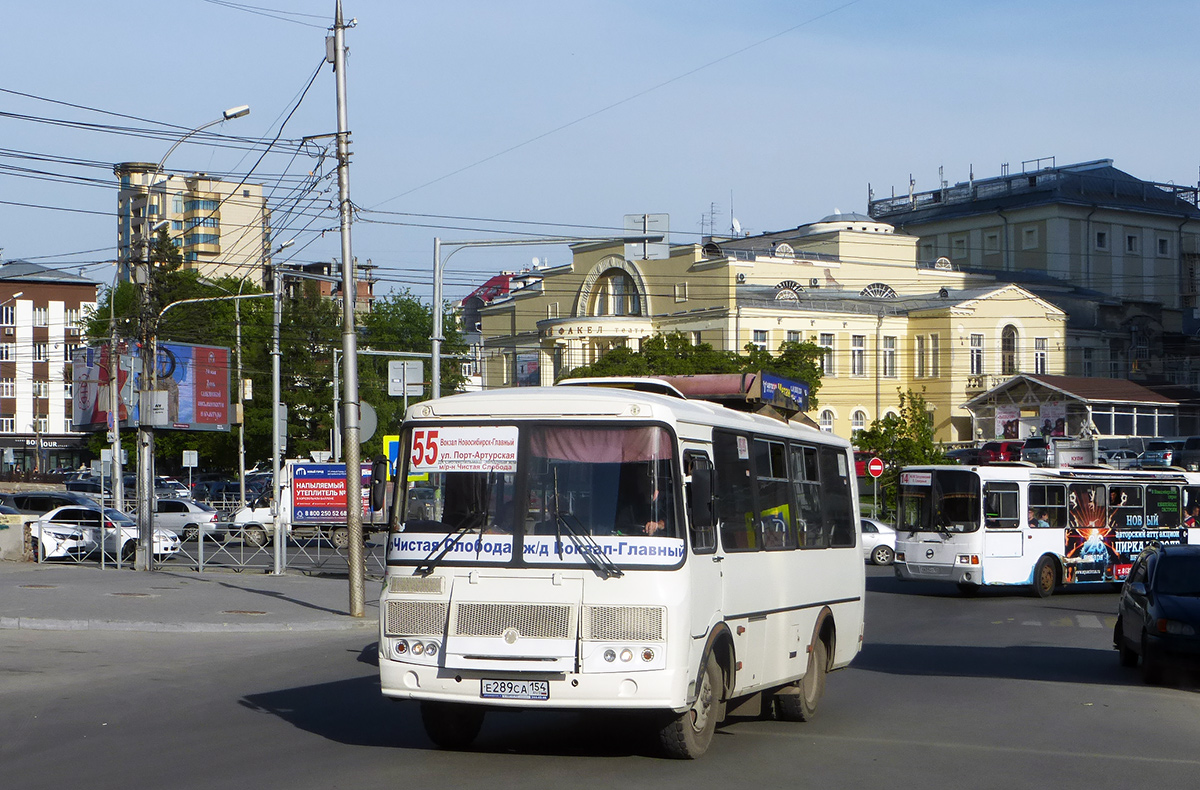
(960, 574)
(651, 690)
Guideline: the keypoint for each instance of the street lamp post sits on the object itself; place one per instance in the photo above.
(149, 331)
(439, 266)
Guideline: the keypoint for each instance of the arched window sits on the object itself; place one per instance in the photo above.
(879, 291)
(615, 293)
(827, 421)
(858, 420)
(1008, 351)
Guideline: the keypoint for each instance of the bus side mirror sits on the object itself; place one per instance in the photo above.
(379, 473)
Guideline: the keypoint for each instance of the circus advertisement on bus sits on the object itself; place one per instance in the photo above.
(1109, 526)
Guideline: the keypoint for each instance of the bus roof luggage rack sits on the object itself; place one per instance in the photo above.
(760, 392)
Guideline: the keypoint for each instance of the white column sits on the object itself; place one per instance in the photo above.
(56, 350)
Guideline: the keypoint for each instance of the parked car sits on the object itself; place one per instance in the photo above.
(1161, 453)
(50, 540)
(1036, 450)
(1122, 458)
(964, 455)
(187, 519)
(1188, 456)
(1008, 450)
(879, 541)
(35, 503)
(1158, 613)
(117, 537)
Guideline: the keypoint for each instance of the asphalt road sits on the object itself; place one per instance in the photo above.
(999, 691)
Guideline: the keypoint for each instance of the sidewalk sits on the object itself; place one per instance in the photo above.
(59, 597)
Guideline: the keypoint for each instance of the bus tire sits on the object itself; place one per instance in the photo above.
(1045, 577)
(802, 706)
(688, 735)
(450, 725)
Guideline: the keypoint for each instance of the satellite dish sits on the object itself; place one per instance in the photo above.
(737, 227)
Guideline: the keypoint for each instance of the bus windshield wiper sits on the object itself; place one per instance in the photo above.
(585, 544)
(588, 548)
(427, 565)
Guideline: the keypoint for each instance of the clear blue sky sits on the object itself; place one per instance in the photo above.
(576, 113)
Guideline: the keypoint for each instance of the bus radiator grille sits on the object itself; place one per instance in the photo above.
(623, 623)
(416, 618)
(426, 585)
(537, 621)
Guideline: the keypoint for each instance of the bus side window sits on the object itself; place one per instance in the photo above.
(775, 510)
(735, 500)
(1048, 506)
(838, 510)
(1000, 506)
(806, 488)
(699, 495)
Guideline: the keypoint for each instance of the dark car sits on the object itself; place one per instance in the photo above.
(35, 503)
(1158, 614)
(1036, 450)
(1007, 450)
(1188, 456)
(964, 455)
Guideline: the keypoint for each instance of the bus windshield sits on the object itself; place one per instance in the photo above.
(541, 490)
(939, 500)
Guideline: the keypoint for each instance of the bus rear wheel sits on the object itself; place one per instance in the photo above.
(1045, 578)
(688, 735)
(451, 726)
(802, 706)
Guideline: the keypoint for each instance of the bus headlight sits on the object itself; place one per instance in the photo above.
(401, 647)
(647, 654)
(610, 655)
(418, 649)
(626, 655)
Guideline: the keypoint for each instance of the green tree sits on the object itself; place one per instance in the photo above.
(673, 354)
(904, 439)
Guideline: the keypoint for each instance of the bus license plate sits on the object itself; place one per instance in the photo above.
(515, 689)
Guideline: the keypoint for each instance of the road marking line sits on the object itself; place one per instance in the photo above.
(1088, 621)
(1032, 622)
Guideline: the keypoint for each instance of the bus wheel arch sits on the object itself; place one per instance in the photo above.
(799, 700)
(720, 646)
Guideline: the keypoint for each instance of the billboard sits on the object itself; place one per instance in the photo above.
(196, 380)
(90, 404)
(319, 493)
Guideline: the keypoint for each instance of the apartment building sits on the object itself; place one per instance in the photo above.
(41, 315)
(222, 228)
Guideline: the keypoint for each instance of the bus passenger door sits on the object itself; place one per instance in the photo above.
(705, 572)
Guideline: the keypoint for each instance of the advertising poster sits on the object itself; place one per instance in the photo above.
(319, 493)
(1008, 422)
(1088, 555)
(1053, 418)
(89, 375)
(528, 371)
(196, 380)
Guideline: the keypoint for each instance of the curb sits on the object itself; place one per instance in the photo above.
(44, 624)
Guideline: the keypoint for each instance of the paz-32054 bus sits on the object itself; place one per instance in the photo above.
(1019, 525)
(586, 547)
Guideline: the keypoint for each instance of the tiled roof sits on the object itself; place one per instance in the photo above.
(1096, 390)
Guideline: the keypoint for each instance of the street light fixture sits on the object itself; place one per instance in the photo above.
(145, 488)
(439, 266)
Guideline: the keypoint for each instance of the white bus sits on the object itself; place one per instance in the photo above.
(587, 547)
(1013, 524)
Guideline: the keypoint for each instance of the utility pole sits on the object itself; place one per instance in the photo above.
(350, 407)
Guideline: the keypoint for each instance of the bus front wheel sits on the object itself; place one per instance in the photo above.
(1045, 578)
(451, 726)
(688, 735)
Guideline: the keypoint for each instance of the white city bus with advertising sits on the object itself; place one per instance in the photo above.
(1013, 524)
(592, 547)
